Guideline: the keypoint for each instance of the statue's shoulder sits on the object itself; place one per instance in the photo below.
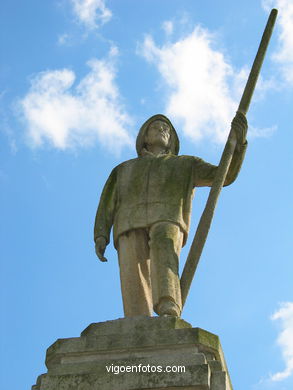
(191, 159)
(127, 163)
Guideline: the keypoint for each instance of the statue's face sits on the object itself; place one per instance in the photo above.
(158, 133)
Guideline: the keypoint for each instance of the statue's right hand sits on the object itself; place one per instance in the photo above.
(100, 248)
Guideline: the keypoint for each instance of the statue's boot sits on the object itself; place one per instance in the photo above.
(168, 307)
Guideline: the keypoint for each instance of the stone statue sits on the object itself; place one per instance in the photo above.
(147, 200)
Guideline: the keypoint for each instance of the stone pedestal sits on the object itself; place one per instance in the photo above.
(162, 353)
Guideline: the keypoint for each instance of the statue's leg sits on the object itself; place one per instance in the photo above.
(165, 246)
(134, 262)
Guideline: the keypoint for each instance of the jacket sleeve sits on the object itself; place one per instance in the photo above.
(204, 173)
(236, 163)
(106, 209)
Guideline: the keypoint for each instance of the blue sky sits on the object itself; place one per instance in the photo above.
(78, 78)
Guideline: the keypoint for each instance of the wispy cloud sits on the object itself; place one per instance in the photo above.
(285, 339)
(265, 132)
(168, 27)
(284, 53)
(63, 39)
(57, 111)
(91, 13)
(202, 86)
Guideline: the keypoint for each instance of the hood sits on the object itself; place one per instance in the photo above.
(174, 141)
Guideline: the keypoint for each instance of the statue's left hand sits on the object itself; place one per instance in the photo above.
(100, 248)
(239, 127)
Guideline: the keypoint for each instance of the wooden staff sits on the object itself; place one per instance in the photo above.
(207, 215)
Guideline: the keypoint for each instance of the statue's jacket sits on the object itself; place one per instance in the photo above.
(150, 189)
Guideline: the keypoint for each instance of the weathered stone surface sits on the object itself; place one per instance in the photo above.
(147, 200)
(139, 323)
(140, 343)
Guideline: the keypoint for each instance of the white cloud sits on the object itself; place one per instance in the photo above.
(63, 39)
(56, 110)
(203, 89)
(168, 27)
(255, 132)
(285, 339)
(91, 13)
(284, 53)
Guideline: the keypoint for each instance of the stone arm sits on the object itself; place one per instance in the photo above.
(105, 215)
(236, 163)
(204, 173)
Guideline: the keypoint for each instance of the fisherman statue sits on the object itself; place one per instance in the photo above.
(148, 200)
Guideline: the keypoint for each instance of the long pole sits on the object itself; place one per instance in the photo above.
(207, 215)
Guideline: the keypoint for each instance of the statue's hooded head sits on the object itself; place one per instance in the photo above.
(141, 145)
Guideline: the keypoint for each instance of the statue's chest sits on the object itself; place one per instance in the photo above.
(153, 177)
